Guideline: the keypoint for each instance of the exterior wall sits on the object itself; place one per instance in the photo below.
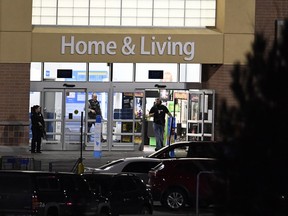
(16, 53)
(14, 102)
(267, 12)
(15, 31)
(15, 58)
(218, 77)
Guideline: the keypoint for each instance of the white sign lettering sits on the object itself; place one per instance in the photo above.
(90, 47)
(149, 47)
(168, 47)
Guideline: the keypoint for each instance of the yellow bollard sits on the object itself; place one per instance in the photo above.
(80, 168)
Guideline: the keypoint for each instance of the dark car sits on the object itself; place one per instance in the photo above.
(177, 182)
(190, 149)
(48, 194)
(127, 193)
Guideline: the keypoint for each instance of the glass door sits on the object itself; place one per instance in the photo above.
(52, 109)
(102, 98)
(200, 123)
(62, 110)
(127, 120)
(74, 118)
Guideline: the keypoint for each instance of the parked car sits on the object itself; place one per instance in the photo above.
(139, 166)
(176, 182)
(48, 194)
(190, 149)
(127, 193)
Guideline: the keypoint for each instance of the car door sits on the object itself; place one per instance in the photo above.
(15, 193)
(49, 189)
(125, 191)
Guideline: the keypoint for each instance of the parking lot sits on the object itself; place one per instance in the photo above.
(66, 160)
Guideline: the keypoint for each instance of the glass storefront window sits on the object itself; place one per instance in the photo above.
(168, 70)
(122, 72)
(190, 73)
(35, 71)
(34, 99)
(99, 72)
(125, 12)
(51, 69)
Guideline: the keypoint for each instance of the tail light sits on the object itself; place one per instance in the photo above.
(68, 203)
(35, 203)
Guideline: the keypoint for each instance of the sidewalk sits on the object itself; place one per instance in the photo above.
(65, 160)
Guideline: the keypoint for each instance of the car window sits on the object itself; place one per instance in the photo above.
(180, 152)
(124, 184)
(204, 150)
(48, 183)
(15, 183)
(74, 183)
(99, 184)
(69, 183)
(140, 167)
(171, 152)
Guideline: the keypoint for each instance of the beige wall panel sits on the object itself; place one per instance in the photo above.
(15, 15)
(240, 16)
(15, 47)
(236, 16)
(220, 15)
(208, 48)
(236, 47)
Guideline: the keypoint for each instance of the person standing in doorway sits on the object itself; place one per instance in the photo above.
(94, 109)
(158, 112)
(38, 129)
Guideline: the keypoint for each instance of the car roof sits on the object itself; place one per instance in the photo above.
(130, 159)
(119, 164)
(107, 174)
(170, 160)
(182, 144)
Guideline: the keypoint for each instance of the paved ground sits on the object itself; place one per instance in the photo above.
(62, 160)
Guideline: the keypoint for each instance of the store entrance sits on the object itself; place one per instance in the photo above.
(125, 125)
(62, 113)
(193, 111)
(176, 101)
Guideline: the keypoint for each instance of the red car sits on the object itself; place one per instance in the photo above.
(177, 182)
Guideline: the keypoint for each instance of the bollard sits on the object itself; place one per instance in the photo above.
(80, 168)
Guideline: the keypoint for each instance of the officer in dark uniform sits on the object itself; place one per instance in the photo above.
(38, 129)
(94, 109)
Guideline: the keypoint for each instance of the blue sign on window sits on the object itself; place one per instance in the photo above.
(47, 73)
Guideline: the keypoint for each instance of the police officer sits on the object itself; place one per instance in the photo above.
(94, 109)
(38, 129)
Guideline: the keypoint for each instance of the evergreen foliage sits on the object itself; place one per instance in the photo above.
(256, 131)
